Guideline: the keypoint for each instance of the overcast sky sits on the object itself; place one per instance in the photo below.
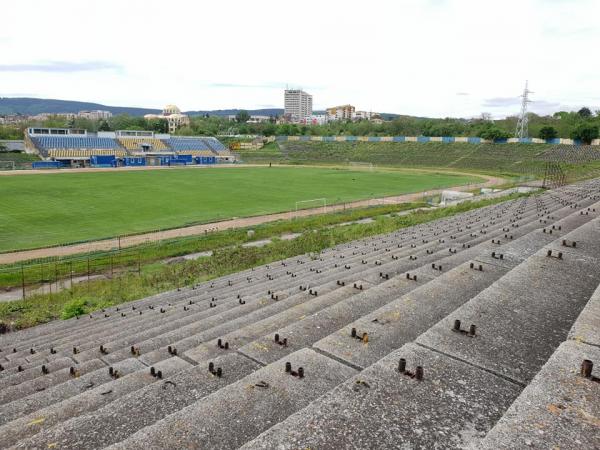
(419, 57)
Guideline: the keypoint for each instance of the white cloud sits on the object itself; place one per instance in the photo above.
(406, 56)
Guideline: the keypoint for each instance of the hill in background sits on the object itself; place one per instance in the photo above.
(32, 106)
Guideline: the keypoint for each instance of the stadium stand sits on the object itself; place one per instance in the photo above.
(215, 145)
(451, 334)
(81, 153)
(52, 142)
(185, 144)
(132, 144)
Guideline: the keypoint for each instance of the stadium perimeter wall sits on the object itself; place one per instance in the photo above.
(445, 139)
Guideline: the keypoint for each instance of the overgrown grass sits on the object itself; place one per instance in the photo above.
(154, 278)
(35, 272)
(517, 161)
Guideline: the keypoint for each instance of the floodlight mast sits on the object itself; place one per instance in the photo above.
(522, 130)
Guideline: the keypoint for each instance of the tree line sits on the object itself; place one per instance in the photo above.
(582, 125)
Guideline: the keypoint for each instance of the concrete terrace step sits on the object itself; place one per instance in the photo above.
(402, 320)
(65, 390)
(559, 409)
(19, 431)
(244, 334)
(44, 381)
(244, 409)
(454, 405)
(143, 407)
(525, 315)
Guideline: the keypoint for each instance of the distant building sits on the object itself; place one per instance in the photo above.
(171, 114)
(94, 115)
(365, 115)
(344, 112)
(13, 119)
(315, 119)
(252, 119)
(297, 105)
(45, 116)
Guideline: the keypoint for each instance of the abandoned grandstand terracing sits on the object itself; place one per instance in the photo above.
(479, 330)
(66, 147)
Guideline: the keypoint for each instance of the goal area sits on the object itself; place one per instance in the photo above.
(361, 165)
(7, 165)
(311, 203)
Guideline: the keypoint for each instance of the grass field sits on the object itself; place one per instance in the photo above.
(50, 209)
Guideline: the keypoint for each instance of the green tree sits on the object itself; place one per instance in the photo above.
(584, 112)
(104, 126)
(548, 132)
(491, 131)
(242, 116)
(158, 125)
(585, 133)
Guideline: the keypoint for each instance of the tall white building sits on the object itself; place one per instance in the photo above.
(297, 105)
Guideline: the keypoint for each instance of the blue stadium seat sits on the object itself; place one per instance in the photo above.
(182, 144)
(51, 142)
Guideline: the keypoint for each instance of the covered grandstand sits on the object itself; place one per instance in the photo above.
(80, 148)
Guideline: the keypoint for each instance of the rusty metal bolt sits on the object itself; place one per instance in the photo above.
(365, 338)
(419, 373)
(586, 368)
(402, 365)
(456, 325)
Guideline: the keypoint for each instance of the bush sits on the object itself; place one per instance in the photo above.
(491, 132)
(75, 307)
(585, 133)
(548, 133)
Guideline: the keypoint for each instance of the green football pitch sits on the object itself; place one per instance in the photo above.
(50, 209)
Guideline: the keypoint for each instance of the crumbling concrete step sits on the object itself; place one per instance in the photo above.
(241, 411)
(131, 412)
(453, 406)
(65, 390)
(558, 410)
(44, 381)
(525, 315)
(587, 326)
(20, 431)
(305, 332)
(402, 320)
(244, 334)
